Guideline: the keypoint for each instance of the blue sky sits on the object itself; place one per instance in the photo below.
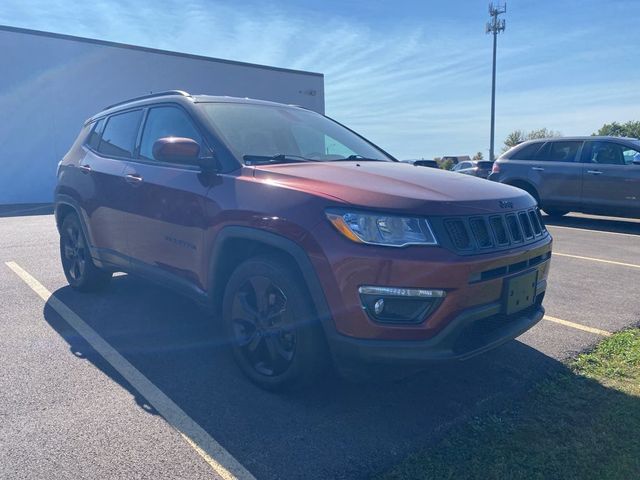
(413, 76)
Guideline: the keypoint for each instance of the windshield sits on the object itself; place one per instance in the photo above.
(276, 134)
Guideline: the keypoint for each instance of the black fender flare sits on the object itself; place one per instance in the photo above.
(69, 201)
(284, 244)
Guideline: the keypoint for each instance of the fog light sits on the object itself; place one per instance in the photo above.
(378, 307)
(399, 305)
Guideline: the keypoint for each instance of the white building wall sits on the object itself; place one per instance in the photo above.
(50, 84)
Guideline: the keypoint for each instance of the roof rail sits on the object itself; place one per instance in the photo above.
(151, 95)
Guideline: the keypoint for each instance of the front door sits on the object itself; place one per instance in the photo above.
(166, 227)
(611, 179)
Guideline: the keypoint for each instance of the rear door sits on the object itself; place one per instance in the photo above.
(166, 227)
(611, 178)
(109, 146)
(557, 173)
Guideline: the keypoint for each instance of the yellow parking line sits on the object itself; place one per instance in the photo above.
(577, 326)
(220, 460)
(622, 264)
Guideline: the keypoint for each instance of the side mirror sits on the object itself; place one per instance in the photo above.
(636, 161)
(176, 150)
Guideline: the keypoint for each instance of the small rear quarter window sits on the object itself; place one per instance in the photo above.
(528, 152)
(94, 137)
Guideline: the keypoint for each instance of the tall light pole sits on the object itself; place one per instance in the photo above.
(494, 26)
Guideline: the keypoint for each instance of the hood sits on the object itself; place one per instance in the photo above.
(397, 186)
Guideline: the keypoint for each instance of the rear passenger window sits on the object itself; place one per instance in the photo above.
(94, 137)
(559, 151)
(120, 133)
(166, 122)
(528, 152)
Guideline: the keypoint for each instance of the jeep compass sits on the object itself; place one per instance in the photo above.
(313, 245)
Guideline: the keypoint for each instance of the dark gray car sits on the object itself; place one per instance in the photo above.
(599, 175)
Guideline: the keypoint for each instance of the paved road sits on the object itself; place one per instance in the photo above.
(66, 413)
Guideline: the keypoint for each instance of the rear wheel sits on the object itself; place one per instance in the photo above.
(77, 264)
(275, 336)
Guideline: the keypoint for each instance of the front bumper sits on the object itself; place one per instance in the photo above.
(471, 333)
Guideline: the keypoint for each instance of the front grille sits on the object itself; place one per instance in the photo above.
(458, 234)
(499, 230)
(535, 222)
(526, 224)
(493, 232)
(481, 232)
(514, 228)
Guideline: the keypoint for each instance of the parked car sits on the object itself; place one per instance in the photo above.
(476, 168)
(598, 175)
(423, 163)
(311, 243)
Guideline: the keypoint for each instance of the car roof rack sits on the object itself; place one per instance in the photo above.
(151, 95)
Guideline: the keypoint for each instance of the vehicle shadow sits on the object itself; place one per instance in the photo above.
(604, 224)
(335, 429)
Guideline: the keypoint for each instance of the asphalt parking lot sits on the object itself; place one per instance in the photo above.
(67, 412)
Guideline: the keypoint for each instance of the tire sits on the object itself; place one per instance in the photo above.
(78, 266)
(553, 213)
(274, 333)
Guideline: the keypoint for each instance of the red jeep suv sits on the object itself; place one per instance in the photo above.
(313, 243)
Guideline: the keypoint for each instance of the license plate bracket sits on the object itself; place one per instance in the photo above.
(520, 292)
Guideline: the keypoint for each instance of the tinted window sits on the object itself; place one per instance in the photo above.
(528, 152)
(119, 136)
(563, 151)
(94, 137)
(166, 122)
(611, 154)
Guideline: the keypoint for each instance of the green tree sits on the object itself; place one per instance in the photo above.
(478, 156)
(446, 164)
(513, 139)
(615, 129)
(542, 133)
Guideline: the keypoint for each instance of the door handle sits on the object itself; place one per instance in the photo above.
(537, 169)
(133, 178)
(594, 172)
(85, 168)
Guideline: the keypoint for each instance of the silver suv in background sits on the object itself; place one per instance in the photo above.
(598, 175)
(476, 168)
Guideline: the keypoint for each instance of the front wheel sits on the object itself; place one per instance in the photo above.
(77, 264)
(275, 336)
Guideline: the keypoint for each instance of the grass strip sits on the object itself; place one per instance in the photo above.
(583, 423)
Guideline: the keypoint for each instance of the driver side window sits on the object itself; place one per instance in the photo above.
(166, 122)
(608, 153)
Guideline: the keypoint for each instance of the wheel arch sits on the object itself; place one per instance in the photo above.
(237, 243)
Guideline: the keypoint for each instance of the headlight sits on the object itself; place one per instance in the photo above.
(382, 229)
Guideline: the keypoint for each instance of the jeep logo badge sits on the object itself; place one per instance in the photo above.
(506, 204)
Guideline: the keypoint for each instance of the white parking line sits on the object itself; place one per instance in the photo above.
(593, 231)
(221, 461)
(577, 326)
(622, 264)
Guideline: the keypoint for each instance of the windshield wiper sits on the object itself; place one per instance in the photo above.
(279, 158)
(357, 157)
